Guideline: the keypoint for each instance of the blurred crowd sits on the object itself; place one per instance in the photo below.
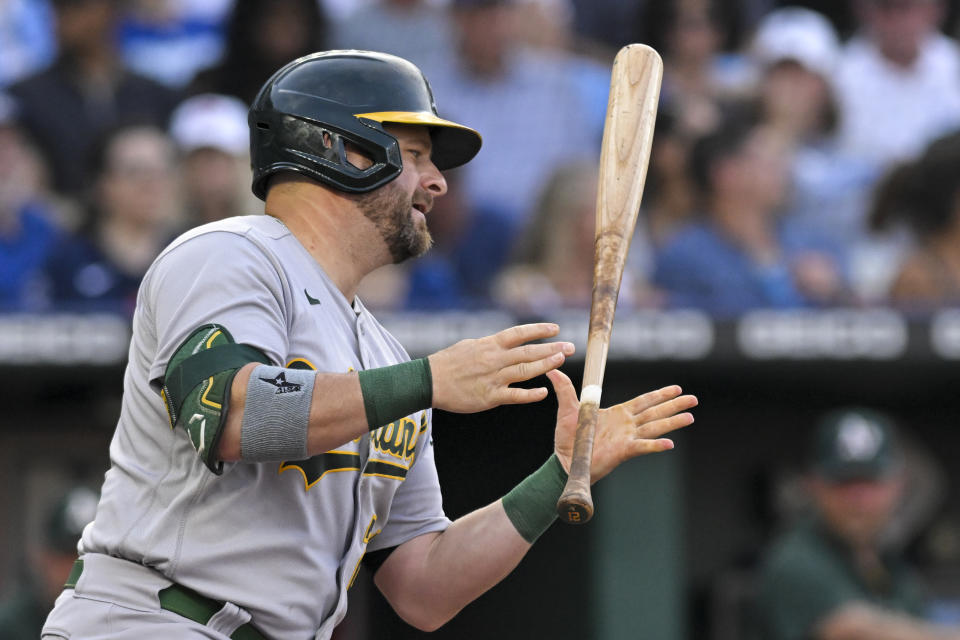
(804, 156)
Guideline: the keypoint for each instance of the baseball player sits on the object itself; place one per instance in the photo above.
(273, 435)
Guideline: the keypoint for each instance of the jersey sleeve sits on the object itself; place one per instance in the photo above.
(417, 504)
(220, 278)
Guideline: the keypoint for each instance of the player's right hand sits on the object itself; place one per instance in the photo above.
(475, 375)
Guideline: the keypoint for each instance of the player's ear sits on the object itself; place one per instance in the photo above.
(356, 156)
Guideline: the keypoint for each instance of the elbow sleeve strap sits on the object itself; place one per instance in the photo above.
(196, 386)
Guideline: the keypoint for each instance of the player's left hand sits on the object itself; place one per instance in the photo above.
(632, 428)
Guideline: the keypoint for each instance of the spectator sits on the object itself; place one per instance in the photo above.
(47, 565)
(262, 36)
(551, 25)
(553, 267)
(900, 76)
(698, 77)
(831, 576)
(87, 90)
(411, 29)
(740, 256)
(668, 196)
(923, 195)
(554, 264)
(170, 40)
(28, 228)
(546, 27)
(536, 110)
(133, 218)
(214, 141)
(798, 50)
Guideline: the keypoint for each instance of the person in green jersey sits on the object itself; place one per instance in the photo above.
(831, 577)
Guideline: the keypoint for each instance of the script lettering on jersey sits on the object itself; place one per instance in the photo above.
(398, 439)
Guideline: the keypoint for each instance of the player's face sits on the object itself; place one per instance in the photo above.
(399, 209)
(857, 511)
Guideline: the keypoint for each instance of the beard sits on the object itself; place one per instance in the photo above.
(390, 209)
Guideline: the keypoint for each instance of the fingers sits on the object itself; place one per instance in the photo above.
(666, 408)
(643, 447)
(657, 428)
(566, 394)
(513, 343)
(526, 370)
(653, 398)
(517, 395)
(520, 334)
(659, 412)
(532, 352)
(531, 360)
(474, 375)
(563, 387)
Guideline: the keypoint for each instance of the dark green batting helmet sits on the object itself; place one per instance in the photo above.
(304, 114)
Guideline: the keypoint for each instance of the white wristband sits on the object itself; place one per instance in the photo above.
(591, 394)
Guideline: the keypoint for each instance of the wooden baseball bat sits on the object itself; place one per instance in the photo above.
(624, 156)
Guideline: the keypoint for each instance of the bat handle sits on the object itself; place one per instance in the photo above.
(576, 504)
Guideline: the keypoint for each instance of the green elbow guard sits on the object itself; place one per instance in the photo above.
(197, 383)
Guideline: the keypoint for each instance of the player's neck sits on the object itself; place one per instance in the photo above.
(338, 237)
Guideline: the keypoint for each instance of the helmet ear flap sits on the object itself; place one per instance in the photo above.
(319, 151)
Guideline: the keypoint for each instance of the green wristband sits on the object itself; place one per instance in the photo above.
(532, 504)
(390, 393)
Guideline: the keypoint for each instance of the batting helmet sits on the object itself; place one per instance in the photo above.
(307, 110)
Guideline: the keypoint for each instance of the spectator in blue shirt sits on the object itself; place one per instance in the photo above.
(28, 230)
(738, 256)
(134, 214)
(86, 91)
(537, 109)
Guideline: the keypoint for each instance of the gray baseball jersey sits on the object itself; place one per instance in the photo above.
(281, 540)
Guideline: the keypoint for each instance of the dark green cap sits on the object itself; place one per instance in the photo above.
(855, 444)
(67, 518)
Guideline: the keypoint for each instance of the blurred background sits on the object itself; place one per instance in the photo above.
(798, 249)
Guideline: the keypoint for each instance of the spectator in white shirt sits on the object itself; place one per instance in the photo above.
(211, 133)
(898, 81)
(417, 30)
(798, 50)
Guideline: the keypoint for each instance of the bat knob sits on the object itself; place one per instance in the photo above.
(575, 509)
